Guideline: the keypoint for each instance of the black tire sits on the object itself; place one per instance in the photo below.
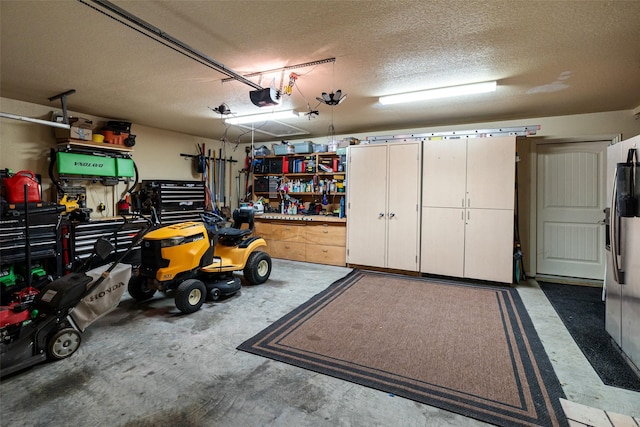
(190, 295)
(63, 343)
(215, 294)
(138, 288)
(258, 268)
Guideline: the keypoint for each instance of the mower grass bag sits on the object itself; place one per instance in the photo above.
(104, 298)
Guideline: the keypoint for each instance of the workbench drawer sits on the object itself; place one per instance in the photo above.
(287, 250)
(324, 254)
(326, 234)
(288, 233)
(263, 229)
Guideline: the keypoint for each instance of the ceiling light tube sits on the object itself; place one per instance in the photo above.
(441, 92)
(263, 117)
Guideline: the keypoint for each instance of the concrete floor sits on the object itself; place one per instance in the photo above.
(148, 365)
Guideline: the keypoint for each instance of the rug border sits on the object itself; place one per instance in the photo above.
(543, 380)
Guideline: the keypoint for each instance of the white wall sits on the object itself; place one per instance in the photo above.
(26, 146)
(157, 152)
(581, 127)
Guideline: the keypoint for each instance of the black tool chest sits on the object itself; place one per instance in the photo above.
(175, 201)
(44, 241)
(83, 235)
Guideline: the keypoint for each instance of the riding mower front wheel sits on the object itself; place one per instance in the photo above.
(258, 268)
(190, 295)
(138, 288)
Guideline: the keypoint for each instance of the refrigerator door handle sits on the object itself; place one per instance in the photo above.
(618, 272)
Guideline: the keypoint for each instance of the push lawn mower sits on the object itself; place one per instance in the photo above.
(196, 260)
(47, 324)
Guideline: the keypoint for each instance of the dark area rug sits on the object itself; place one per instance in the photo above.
(466, 348)
(583, 312)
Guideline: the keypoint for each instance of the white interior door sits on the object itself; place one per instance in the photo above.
(570, 204)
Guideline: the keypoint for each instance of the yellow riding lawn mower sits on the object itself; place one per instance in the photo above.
(196, 260)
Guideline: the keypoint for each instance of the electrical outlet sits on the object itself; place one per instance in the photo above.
(101, 207)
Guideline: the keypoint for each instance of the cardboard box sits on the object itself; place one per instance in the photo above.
(345, 142)
(80, 129)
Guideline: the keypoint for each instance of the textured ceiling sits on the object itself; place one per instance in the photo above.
(549, 58)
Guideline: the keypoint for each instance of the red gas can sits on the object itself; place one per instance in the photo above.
(14, 188)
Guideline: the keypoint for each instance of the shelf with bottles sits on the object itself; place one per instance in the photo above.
(304, 185)
(312, 163)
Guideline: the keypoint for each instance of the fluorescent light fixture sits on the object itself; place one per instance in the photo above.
(263, 117)
(441, 92)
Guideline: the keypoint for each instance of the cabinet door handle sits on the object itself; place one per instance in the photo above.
(391, 214)
(325, 231)
(468, 215)
(462, 202)
(469, 202)
(381, 214)
(462, 215)
(324, 250)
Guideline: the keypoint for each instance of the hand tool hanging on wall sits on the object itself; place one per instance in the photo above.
(247, 170)
(200, 162)
(221, 178)
(216, 174)
(211, 188)
(230, 179)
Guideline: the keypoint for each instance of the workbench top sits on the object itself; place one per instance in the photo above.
(305, 218)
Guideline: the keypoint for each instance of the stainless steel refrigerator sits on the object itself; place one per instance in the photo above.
(622, 281)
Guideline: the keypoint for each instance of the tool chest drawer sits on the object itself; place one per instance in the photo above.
(44, 241)
(175, 201)
(83, 236)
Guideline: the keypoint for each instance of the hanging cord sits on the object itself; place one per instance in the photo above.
(517, 250)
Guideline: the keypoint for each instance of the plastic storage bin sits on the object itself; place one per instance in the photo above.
(303, 147)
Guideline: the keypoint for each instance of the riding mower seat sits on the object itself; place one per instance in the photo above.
(232, 236)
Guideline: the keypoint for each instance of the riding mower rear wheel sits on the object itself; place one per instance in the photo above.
(190, 295)
(258, 268)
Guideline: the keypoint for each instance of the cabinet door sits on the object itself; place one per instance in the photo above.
(491, 172)
(366, 205)
(403, 195)
(442, 241)
(489, 245)
(444, 173)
